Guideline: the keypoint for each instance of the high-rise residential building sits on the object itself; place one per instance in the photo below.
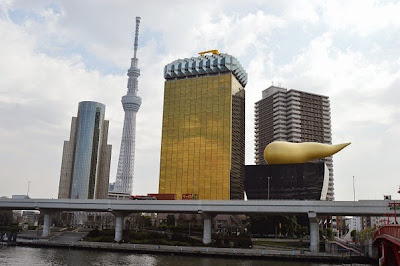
(203, 132)
(294, 116)
(131, 104)
(85, 167)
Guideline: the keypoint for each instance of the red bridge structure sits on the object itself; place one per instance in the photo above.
(387, 238)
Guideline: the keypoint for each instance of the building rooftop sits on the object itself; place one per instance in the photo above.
(205, 65)
(273, 89)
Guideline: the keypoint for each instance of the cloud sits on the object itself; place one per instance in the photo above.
(55, 54)
(232, 32)
(363, 17)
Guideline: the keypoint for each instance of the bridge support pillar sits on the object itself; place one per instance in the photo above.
(207, 229)
(314, 232)
(119, 225)
(46, 224)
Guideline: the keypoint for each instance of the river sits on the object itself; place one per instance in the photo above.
(53, 256)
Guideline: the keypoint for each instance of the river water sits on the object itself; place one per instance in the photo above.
(52, 256)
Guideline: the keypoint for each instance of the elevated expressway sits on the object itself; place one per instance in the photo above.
(208, 209)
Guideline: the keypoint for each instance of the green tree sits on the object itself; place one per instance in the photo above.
(301, 231)
(329, 233)
(171, 220)
(142, 221)
(263, 224)
(193, 220)
(6, 217)
(366, 234)
(354, 235)
(146, 221)
(289, 225)
(181, 220)
(326, 233)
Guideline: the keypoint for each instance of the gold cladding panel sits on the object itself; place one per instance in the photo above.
(196, 137)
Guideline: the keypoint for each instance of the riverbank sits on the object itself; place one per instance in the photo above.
(263, 254)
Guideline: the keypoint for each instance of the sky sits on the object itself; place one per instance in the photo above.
(54, 54)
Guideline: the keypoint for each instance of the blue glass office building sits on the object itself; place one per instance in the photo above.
(85, 165)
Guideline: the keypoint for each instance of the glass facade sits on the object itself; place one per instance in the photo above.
(202, 148)
(87, 150)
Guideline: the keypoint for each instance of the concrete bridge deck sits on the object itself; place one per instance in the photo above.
(207, 208)
(353, 208)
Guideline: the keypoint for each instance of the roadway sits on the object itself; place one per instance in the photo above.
(281, 207)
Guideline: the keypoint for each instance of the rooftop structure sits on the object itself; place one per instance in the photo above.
(206, 65)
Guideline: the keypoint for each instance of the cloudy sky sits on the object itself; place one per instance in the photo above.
(54, 54)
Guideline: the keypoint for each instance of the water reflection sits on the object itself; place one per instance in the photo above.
(50, 256)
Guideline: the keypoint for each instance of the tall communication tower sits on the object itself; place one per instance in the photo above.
(131, 104)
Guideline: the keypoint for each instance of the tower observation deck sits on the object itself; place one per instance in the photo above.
(131, 104)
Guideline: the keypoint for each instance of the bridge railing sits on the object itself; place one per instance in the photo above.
(392, 230)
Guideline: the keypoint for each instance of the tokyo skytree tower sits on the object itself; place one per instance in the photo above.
(131, 104)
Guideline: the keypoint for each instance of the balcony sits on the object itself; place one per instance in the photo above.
(280, 117)
(294, 139)
(292, 121)
(279, 99)
(294, 134)
(280, 126)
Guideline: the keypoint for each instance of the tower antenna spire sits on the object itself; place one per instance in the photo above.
(134, 71)
(135, 45)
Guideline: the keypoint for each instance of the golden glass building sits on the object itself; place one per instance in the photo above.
(203, 132)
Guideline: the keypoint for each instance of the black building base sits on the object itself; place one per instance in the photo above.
(304, 181)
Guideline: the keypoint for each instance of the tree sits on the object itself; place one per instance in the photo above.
(171, 220)
(193, 220)
(326, 233)
(142, 221)
(366, 234)
(6, 217)
(354, 235)
(301, 231)
(329, 233)
(289, 225)
(265, 225)
(182, 220)
(146, 221)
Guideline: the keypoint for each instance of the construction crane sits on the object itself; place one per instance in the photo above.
(209, 51)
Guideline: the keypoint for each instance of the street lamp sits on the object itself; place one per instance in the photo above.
(268, 177)
(27, 193)
(194, 188)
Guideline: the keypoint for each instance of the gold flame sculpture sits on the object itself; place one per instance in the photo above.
(282, 152)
